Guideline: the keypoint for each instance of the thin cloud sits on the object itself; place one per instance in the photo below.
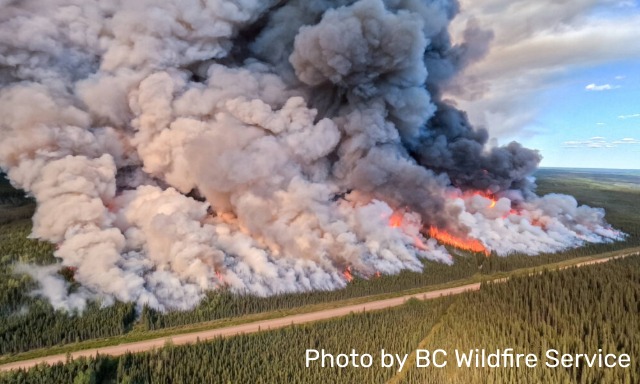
(603, 87)
(627, 140)
(626, 4)
(620, 77)
(632, 116)
(600, 142)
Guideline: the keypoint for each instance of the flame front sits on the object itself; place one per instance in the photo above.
(347, 274)
(396, 220)
(444, 237)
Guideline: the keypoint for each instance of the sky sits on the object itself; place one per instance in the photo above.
(560, 77)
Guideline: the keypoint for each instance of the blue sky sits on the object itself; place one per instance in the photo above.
(560, 77)
(590, 119)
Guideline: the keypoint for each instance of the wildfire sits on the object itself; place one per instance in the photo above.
(396, 220)
(347, 274)
(487, 195)
(418, 243)
(219, 276)
(538, 223)
(444, 237)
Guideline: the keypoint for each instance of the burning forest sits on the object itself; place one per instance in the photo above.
(267, 146)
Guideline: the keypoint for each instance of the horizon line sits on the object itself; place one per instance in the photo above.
(600, 168)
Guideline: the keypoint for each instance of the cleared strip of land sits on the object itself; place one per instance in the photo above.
(252, 327)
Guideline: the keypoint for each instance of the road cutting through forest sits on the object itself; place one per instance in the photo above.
(263, 325)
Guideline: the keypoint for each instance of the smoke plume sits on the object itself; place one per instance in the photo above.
(267, 146)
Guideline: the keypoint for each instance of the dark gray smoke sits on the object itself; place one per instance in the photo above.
(176, 147)
(450, 145)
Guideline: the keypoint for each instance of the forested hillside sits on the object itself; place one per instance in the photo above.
(574, 310)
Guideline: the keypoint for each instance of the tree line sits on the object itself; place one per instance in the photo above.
(574, 311)
(28, 322)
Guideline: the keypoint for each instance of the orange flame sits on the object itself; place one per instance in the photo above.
(378, 274)
(444, 237)
(511, 212)
(396, 220)
(486, 195)
(219, 275)
(347, 274)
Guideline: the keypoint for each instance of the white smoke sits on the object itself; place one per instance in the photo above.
(545, 224)
(179, 147)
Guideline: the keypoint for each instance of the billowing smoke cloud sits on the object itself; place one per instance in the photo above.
(176, 147)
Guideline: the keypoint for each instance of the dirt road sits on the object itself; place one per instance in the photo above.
(147, 345)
